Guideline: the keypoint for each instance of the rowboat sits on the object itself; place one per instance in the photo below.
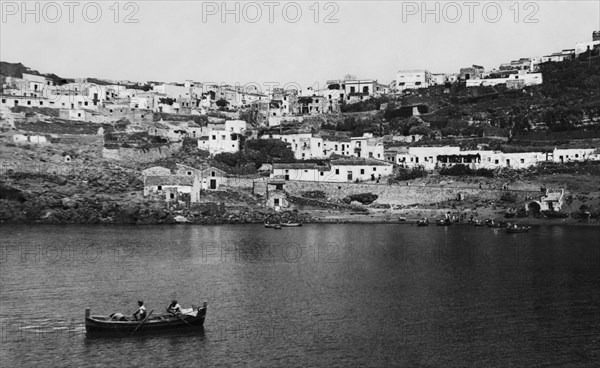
(118, 325)
(500, 224)
(443, 222)
(401, 218)
(423, 222)
(520, 229)
(291, 224)
(272, 224)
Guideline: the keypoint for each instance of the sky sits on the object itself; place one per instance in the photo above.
(268, 42)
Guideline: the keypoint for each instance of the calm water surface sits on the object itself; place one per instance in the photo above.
(319, 295)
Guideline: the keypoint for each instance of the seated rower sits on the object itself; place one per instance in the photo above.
(174, 308)
(141, 311)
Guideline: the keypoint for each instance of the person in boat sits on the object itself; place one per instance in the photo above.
(174, 308)
(141, 312)
(117, 317)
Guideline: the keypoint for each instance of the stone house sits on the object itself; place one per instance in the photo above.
(170, 187)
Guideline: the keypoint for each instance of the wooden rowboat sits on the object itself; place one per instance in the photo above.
(443, 222)
(189, 319)
(291, 224)
(521, 229)
(423, 222)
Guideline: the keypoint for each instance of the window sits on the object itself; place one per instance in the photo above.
(213, 137)
(4, 100)
(337, 171)
(85, 103)
(41, 103)
(160, 187)
(28, 102)
(322, 173)
(374, 169)
(189, 173)
(212, 173)
(522, 160)
(305, 171)
(362, 171)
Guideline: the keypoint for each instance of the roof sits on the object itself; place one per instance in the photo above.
(300, 166)
(211, 169)
(553, 196)
(156, 168)
(355, 161)
(180, 180)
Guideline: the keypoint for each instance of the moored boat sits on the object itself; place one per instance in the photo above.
(272, 224)
(492, 223)
(291, 224)
(518, 229)
(443, 222)
(423, 222)
(119, 325)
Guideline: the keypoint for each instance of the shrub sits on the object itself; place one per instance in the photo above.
(508, 197)
(319, 194)
(408, 174)
(463, 170)
(364, 198)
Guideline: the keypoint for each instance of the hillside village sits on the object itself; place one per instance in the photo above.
(508, 141)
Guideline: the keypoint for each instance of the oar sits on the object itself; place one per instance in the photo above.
(141, 323)
(181, 319)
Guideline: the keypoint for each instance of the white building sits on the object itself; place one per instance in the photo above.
(573, 154)
(236, 126)
(304, 145)
(339, 171)
(530, 79)
(412, 79)
(219, 141)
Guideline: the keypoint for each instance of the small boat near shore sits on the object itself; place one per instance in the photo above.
(518, 229)
(443, 222)
(291, 224)
(118, 325)
(493, 224)
(423, 222)
(272, 224)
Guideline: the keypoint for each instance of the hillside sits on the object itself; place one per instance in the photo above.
(16, 70)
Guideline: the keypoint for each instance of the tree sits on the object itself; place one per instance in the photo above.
(222, 103)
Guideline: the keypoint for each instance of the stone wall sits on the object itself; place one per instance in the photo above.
(238, 182)
(140, 155)
(397, 194)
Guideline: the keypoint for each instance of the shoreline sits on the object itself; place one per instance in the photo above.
(328, 221)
